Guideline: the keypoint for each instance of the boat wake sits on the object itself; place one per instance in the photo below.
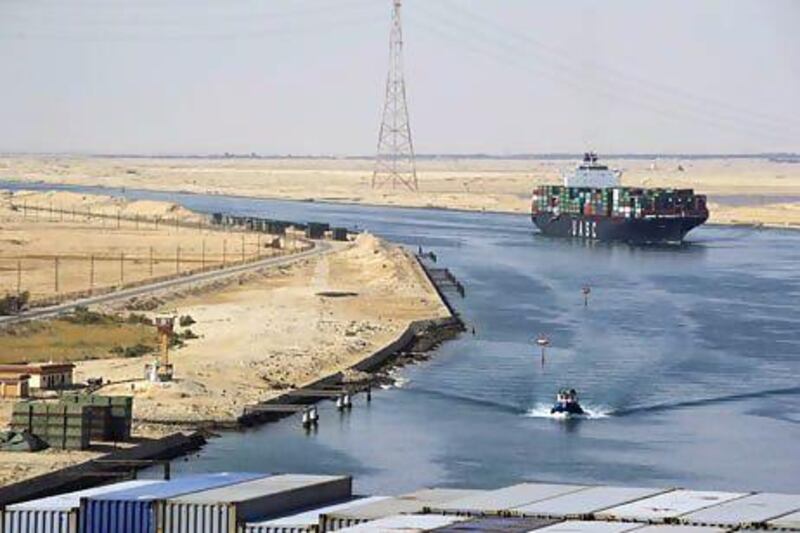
(542, 410)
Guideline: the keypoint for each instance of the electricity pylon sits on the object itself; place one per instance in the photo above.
(394, 161)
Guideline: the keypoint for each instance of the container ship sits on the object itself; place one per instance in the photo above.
(592, 205)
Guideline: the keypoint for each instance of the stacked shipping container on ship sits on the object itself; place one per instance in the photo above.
(592, 205)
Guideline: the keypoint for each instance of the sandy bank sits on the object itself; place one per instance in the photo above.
(471, 184)
(279, 330)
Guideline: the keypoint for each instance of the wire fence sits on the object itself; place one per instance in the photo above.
(51, 278)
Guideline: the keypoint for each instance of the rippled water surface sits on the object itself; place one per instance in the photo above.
(688, 359)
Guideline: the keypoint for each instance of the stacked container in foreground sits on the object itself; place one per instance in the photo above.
(502, 524)
(410, 503)
(584, 503)
(501, 501)
(307, 521)
(751, 511)
(57, 514)
(589, 526)
(135, 510)
(406, 522)
(224, 509)
(668, 507)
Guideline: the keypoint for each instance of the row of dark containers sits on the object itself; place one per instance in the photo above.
(313, 230)
(617, 201)
(74, 420)
(291, 503)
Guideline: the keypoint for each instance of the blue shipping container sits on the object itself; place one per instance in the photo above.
(133, 511)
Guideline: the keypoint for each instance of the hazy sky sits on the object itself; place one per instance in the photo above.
(307, 76)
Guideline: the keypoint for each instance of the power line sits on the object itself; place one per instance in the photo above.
(673, 91)
(635, 85)
(558, 70)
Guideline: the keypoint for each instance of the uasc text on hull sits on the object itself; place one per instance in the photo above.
(637, 231)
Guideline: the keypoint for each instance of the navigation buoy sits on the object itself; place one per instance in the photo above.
(543, 343)
(586, 290)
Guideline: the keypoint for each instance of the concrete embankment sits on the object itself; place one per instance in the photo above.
(119, 463)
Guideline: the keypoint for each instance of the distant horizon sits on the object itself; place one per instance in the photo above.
(424, 156)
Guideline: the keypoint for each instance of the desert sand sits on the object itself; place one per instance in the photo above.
(750, 191)
(278, 330)
(82, 245)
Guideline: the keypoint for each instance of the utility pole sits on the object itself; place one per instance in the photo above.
(203, 255)
(55, 272)
(19, 277)
(394, 162)
(122, 268)
(151, 261)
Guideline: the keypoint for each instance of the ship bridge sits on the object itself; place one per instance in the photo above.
(592, 174)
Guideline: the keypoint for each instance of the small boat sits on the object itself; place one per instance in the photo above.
(567, 404)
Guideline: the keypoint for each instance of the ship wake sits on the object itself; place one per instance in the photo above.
(593, 412)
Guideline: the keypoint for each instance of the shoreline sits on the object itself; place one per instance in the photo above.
(45, 185)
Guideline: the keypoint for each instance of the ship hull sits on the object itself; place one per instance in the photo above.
(657, 230)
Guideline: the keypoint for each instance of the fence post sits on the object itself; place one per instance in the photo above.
(91, 274)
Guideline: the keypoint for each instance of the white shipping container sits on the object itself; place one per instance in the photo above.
(57, 514)
(670, 505)
(307, 521)
(410, 503)
(753, 509)
(494, 501)
(661, 528)
(221, 510)
(408, 523)
(589, 526)
(789, 521)
(586, 502)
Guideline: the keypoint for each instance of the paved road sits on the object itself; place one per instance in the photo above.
(320, 247)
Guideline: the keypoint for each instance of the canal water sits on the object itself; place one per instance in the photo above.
(688, 359)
